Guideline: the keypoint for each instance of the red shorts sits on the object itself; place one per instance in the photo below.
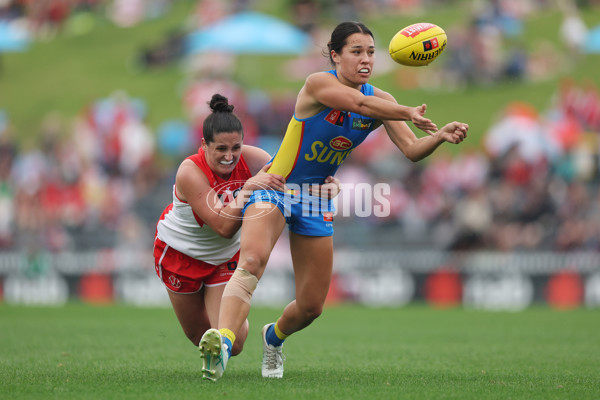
(183, 274)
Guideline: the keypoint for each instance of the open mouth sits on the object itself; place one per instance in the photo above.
(226, 162)
(363, 71)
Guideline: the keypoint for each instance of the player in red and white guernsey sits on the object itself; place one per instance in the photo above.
(197, 237)
(196, 248)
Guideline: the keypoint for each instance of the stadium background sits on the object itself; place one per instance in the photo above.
(101, 100)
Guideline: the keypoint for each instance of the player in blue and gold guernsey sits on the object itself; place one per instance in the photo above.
(304, 157)
(334, 112)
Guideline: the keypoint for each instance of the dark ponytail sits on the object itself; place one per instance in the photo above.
(222, 119)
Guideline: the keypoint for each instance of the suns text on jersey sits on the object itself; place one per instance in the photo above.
(323, 154)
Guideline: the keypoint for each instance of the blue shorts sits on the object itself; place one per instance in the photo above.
(305, 214)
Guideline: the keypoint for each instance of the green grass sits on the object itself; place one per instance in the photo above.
(119, 352)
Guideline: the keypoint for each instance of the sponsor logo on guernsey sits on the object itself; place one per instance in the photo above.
(328, 217)
(227, 196)
(336, 117)
(361, 124)
(340, 143)
(414, 30)
(430, 44)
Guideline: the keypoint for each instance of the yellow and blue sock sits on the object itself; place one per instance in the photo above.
(228, 339)
(274, 336)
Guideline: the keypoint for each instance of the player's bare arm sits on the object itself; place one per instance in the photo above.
(324, 89)
(417, 114)
(192, 186)
(257, 159)
(416, 149)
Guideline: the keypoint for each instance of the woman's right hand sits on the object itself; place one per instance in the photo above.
(265, 180)
(454, 132)
(422, 123)
(330, 188)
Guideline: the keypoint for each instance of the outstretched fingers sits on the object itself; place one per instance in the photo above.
(422, 123)
(425, 124)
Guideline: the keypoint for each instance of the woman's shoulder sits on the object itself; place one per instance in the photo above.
(255, 157)
(321, 76)
(192, 167)
(252, 152)
(318, 80)
(190, 175)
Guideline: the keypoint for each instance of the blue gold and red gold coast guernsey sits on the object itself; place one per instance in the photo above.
(313, 148)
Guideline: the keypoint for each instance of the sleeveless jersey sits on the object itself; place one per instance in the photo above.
(182, 229)
(313, 148)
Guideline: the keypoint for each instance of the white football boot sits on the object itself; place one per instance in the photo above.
(214, 355)
(273, 358)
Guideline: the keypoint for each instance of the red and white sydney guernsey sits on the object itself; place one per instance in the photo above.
(182, 229)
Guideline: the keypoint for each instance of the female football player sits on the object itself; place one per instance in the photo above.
(196, 248)
(334, 112)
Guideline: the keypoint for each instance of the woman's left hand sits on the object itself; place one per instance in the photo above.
(417, 117)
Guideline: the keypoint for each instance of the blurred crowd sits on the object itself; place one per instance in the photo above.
(80, 186)
(100, 180)
(535, 185)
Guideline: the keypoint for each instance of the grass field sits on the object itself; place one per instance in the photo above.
(118, 352)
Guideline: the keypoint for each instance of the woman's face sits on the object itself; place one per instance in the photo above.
(223, 154)
(354, 64)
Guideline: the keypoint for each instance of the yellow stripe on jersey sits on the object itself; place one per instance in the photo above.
(289, 151)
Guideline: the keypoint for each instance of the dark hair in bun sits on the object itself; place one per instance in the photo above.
(222, 119)
(220, 103)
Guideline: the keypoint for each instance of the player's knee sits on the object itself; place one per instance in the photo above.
(195, 331)
(195, 339)
(253, 262)
(241, 285)
(237, 348)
